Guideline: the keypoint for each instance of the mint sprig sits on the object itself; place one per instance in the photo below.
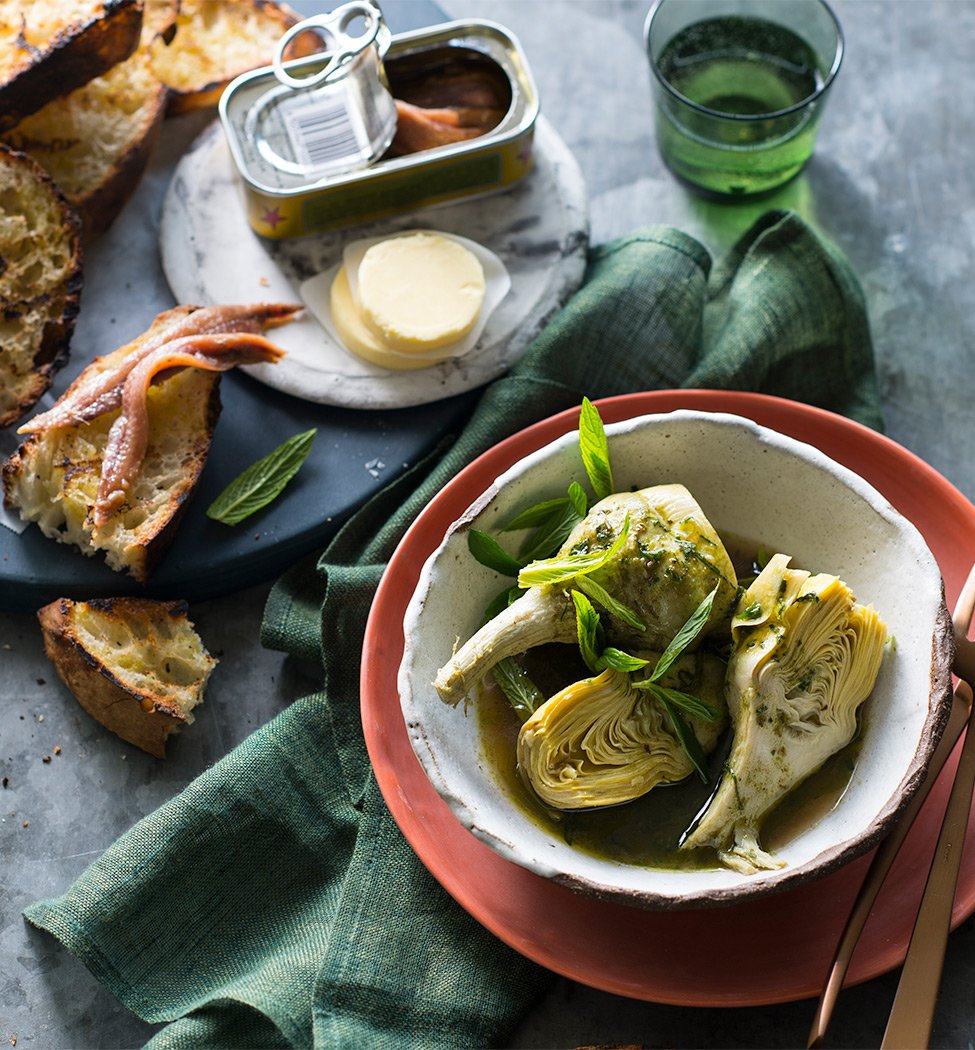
(262, 481)
(598, 656)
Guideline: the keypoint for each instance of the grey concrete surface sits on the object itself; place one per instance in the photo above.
(891, 183)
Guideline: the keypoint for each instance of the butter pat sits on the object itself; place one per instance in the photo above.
(419, 292)
(335, 298)
(358, 338)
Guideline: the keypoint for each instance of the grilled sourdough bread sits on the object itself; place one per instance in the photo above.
(135, 665)
(40, 281)
(96, 141)
(110, 466)
(216, 41)
(53, 478)
(50, 47)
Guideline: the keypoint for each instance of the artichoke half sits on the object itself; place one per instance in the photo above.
(671, 560)
(601, 742)
(804, 658)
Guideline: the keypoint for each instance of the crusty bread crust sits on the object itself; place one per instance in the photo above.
(40, 281)
(50, 48)
(96, 141)
(134, 664)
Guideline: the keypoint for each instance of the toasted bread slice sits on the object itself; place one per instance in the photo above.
(40, 281)
(136, 666)
(216, 41)
(53, 478)
(97, 140)
(51, 47)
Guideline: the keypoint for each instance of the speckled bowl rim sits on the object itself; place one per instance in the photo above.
(486, 825)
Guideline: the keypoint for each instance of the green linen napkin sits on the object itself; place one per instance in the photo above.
(274, 902)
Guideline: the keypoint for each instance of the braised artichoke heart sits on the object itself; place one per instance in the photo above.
(600, 742)
(804, 658)
(671, 559)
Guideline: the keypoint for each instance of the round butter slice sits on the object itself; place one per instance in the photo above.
(420, 292)
(359, 339)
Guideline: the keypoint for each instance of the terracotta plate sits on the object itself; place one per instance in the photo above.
(665, 956)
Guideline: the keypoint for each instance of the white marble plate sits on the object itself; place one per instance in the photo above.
(538, 228)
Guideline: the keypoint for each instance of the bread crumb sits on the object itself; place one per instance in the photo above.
(57, 749)
(264, 282)
(24, 824)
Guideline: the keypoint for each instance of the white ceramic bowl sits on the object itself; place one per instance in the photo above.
(752, 483)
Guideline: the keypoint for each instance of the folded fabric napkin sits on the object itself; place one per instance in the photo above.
(274, 902)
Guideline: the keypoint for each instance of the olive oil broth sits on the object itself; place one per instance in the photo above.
(647, 831)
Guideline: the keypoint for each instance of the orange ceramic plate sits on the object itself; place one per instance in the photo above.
(776, 949)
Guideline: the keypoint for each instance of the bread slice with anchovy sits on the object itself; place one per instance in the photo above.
(40, 281)
(54, 477)
(135, 665)
(51, 47)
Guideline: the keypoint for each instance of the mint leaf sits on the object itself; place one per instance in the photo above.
(546, 540)
(691, 704)
(620, 661)
(262, 481)
(536, 515)
(691, 629)
(589, 631)
(578, 499)
(601, 596)
(688, 741)
(595, 450)
(491, 554)
(521, 692)
(569, 566)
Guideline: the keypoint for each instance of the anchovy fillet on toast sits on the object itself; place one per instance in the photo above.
(110, 466)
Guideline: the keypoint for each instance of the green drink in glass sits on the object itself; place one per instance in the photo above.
(739, 88)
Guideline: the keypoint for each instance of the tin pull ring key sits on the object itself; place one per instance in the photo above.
(334, 27)
(337, 118)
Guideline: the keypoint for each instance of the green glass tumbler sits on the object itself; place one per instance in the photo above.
(739, 88)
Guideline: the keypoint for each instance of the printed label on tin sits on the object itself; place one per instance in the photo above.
(321, 130)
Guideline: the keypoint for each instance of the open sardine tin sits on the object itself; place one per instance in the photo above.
(295, 198)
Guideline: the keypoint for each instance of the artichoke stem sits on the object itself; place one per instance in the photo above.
(541, 615)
